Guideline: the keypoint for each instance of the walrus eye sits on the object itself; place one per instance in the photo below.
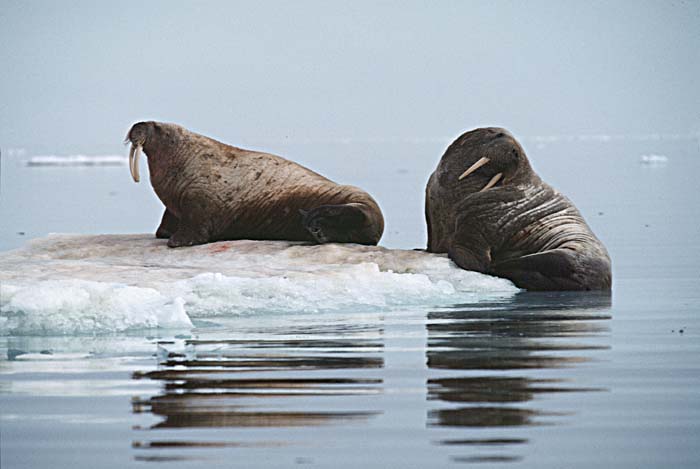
(492, 182)
(481, 162)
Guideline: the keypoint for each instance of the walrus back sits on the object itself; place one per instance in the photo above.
(269, 194)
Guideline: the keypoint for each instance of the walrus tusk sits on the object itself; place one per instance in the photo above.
(134, 153)
(481, 162)
(492, 182)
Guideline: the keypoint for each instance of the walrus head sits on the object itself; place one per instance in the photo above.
(486, 158)
(138, 135)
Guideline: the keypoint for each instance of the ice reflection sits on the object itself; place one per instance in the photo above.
(276, 381)
(491, 360)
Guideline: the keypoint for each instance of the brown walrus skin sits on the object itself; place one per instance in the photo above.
(491, 213)
(213, 191)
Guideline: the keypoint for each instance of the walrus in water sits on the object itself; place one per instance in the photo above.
(213, 191)
(491, 213)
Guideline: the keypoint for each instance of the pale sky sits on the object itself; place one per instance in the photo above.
(83, 71)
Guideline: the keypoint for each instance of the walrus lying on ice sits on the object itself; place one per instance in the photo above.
(491, 213)
(213, 191)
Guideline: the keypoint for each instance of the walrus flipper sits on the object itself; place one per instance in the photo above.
(469, 257)
(188, 236)
(196, 225)
(343, 223)
(544, 271)
(168, 225)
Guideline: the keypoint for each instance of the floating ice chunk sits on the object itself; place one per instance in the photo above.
(15, 152)
(83, 306)
(77, 160)
(653, 160)
(69, 284)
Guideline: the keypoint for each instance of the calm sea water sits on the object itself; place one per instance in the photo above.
(535, 380)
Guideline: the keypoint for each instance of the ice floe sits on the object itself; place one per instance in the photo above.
(92, 284)
(653, 160)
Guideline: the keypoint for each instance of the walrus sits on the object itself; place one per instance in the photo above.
(490, 212)
(213, 191)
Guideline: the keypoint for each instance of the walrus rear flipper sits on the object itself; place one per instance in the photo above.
(544, 271)
(343, 223)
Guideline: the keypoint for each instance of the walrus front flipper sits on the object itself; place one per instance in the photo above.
(344, 223)
(168, 225)
(469, 258)
(186, 235)
(196, 225)
(544, 271)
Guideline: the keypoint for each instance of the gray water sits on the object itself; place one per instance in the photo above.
(536, 380)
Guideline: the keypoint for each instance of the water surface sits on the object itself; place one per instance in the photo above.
(517, 380)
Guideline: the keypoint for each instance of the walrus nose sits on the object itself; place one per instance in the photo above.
(481, 162)
(134, 153)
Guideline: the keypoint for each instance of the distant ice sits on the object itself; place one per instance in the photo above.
(14, 152)
(93, 284)
(77, 160)
(653, 160)
(606, 138)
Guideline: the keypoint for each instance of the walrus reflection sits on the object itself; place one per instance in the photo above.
(515, 334)
(494, 389)
(213, 192)
(231, 383)
(490, 212)
(494, 351)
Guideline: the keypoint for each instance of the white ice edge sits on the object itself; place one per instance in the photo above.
(66, 284)
(77, 160)
(653, 159)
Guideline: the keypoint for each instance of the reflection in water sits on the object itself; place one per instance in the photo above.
(488, 389)
(489, 365)
(261, 383)
(490, 354)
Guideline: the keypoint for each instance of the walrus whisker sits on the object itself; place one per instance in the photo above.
(492, 182)
(134, 153)
(481, 162)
